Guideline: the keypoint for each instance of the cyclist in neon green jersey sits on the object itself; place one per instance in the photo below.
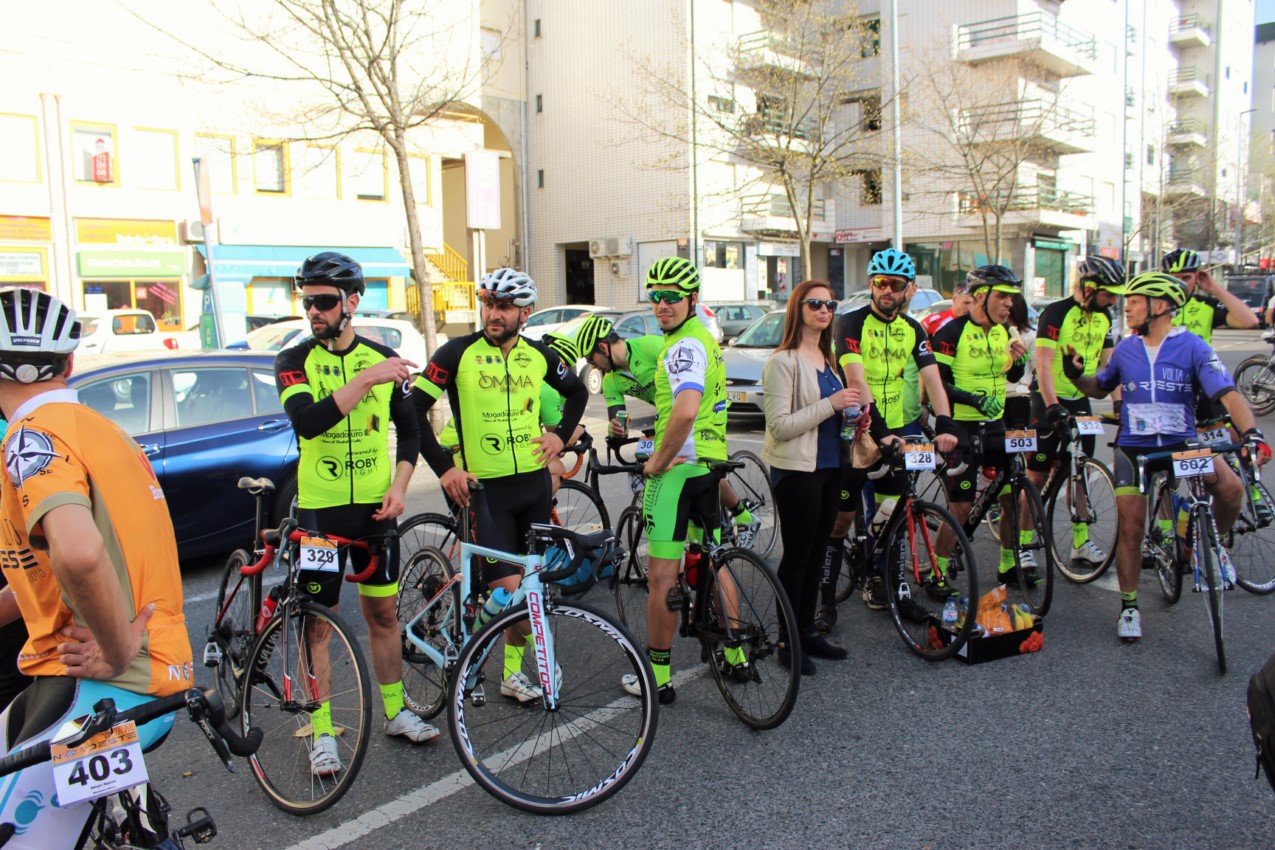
(1208, 304)
(690, 429)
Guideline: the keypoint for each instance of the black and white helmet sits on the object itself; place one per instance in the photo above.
(508, 285)
(37, 332)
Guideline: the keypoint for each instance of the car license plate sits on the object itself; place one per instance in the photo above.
(737, 397)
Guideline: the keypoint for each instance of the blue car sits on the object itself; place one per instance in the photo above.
(204, 419)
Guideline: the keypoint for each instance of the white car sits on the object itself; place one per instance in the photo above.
(397, 334)
(114, 331)
(550, 319)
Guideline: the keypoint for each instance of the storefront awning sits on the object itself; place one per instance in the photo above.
(245, 262)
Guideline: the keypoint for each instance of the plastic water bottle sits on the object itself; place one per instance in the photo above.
(950, 614)
(496, 602)
(882, 517)
(850, 421)
(268, 605)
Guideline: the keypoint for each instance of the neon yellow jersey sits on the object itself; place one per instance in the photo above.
(1200, 315)
(978, 361)
(884, 350)
(1065, 323)
(692, 360)
(550, 415)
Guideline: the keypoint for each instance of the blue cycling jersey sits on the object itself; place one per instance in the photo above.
(1158, 388)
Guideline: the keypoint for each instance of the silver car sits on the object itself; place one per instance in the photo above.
(745, 357)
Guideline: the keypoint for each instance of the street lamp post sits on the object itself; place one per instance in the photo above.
(1240, 168)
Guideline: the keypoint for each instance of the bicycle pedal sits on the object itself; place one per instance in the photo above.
(676, 599)
(212, 655)
(478, 697)
(201, 830)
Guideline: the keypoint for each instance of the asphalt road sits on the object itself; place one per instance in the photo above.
(1088, 743)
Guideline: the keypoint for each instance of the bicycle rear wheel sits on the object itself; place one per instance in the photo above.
(428, 529)
(285, 687)
(1028, 518)
(579, 509)
(1097, 489)
(1205, 556)
(1255, 379)
(749, 611)
(919, 587)
(752, 482)
(1252, 544)
(238, 602)
(1162, 544)
(630, 586)
(561, 761)
(850, 573)
(422, 582)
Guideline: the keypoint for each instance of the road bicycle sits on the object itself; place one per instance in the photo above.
(1079, 490)
(728, 599)
(1255, 379)
(1251, 540)
(1200, 544)
(576, 744)
(100, 754)
(281, 657)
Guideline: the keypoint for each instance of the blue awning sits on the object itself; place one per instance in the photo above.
(244, 262)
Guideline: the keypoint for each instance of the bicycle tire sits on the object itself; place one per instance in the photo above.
(428, 529)
(281, 764)
(630, 589)
(1037, 596)
(421, 579)
(1253, 378)
(752, 482)
(234, 624)
(1099, 482)
(1168, 550)
(1205, 553)
(579, 509)
(850, 573)
(1252, 546)
(909, 563)
(562, 761)
(764, 692)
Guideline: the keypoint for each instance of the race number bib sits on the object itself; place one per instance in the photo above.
(1154, 418)
(1214, 436)
(1017, 442)
(320, 553)
(645, 448)
(919, 456)
(108, 762)
(1192, 463)
(1086, 425)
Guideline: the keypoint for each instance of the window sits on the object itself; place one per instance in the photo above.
(421, 179)
(123, 399)
(319, 176)
(870, 38)
(270, 167)
(870, 113)
(540, 103)
(205, 396)
(19, 149)
(1150, 154)
(265, 397)
(721, 104)
(870, 192)
(217, 157)
(723, 255)
(1128, 160)
(491, 43)
(1227, 72)
(156, 159)
(390, 337)
(536, 27)
(366, 176)
(540, 178)
(94, 154)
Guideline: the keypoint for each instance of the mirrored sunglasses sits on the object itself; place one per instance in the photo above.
(322, 303)
(665, 296)
(890, 283)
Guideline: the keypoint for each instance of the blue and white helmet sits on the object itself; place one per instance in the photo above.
(892, 262)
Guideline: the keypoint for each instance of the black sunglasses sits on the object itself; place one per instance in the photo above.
(322, 303)
(820, 304)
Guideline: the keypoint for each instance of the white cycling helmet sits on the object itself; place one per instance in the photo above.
(37, 331)
(509, 285)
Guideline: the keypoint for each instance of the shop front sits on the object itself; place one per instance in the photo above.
(25, 244)
(133, 264)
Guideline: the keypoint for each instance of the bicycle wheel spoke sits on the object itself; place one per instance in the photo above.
(1252, 546)
(752, 483)
(424, 581)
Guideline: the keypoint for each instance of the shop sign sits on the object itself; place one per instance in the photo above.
(132, 263)
(24, 264)
(867, 234)
(20, 228)
(112, 231)
(778, 249)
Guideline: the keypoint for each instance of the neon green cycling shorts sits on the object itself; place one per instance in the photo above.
(670, 500)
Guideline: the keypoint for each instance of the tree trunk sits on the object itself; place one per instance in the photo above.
(419, 269)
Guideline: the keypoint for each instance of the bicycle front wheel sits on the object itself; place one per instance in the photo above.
(1204, 554)
(752, 482)
(1255, 379)
(238, 601)
(1087, 498)
(582, 752)
(920, 587)
(850, 572)
(1252, 542)
(578, 508)
(749, 617)
(1028, 534)
(630, 587)
(429, 611)
(428, 529)
(1162, 545)
(307, 662)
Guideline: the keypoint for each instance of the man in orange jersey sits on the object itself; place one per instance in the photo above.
(87, 546)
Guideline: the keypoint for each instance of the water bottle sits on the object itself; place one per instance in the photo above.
(950, 614)
(882, 517)
(496, 602)
(692, 567)
(268, 605)
(850, 422)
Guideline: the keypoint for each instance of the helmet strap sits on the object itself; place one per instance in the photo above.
(333, 333)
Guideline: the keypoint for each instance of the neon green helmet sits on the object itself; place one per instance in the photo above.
(676, 271)
(1180, 261)
(1158, 285)
(592, 330)
(565, 348)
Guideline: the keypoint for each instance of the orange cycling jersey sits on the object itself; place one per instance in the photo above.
(59, 452)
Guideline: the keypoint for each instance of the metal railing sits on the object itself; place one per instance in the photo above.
(1185, 126)
(447, 295)
(1186, 74)
(763, 40)
(777, 206)
(1033, 198)
(1032, 25)
(450, 263)
(1189, 22)
(1033, 114)
(772, 124)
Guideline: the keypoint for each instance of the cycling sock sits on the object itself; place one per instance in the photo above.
(941, 563)
(734, 655)
(513, 659)
(743, 515)
(1007, 560)
(392, 698)
(1025, 538)
(1128, 599)
(1079, 534)
(660, 659)
(321, 720)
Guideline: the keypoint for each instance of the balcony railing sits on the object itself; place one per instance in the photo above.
(1040, 28)
(1034, 198)
(762, 124)
(1188, 80)
(1190, 31)
(764, 43)
(1021, 118)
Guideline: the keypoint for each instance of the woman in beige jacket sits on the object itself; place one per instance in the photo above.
(804, 399)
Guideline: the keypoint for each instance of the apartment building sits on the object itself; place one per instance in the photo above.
(1120, 127)
(101, 114)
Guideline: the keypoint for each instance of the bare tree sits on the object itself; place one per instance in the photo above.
(779, 102)
(383, 67)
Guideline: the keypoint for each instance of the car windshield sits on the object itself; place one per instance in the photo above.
(88, 324)
(765, 333)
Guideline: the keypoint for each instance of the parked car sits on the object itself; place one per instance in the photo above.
(1255, 290)
(735, 318)
(919, 307)
(204, 419)
(745, 357)
(398, 335)
(550, 319)
(113, 331)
